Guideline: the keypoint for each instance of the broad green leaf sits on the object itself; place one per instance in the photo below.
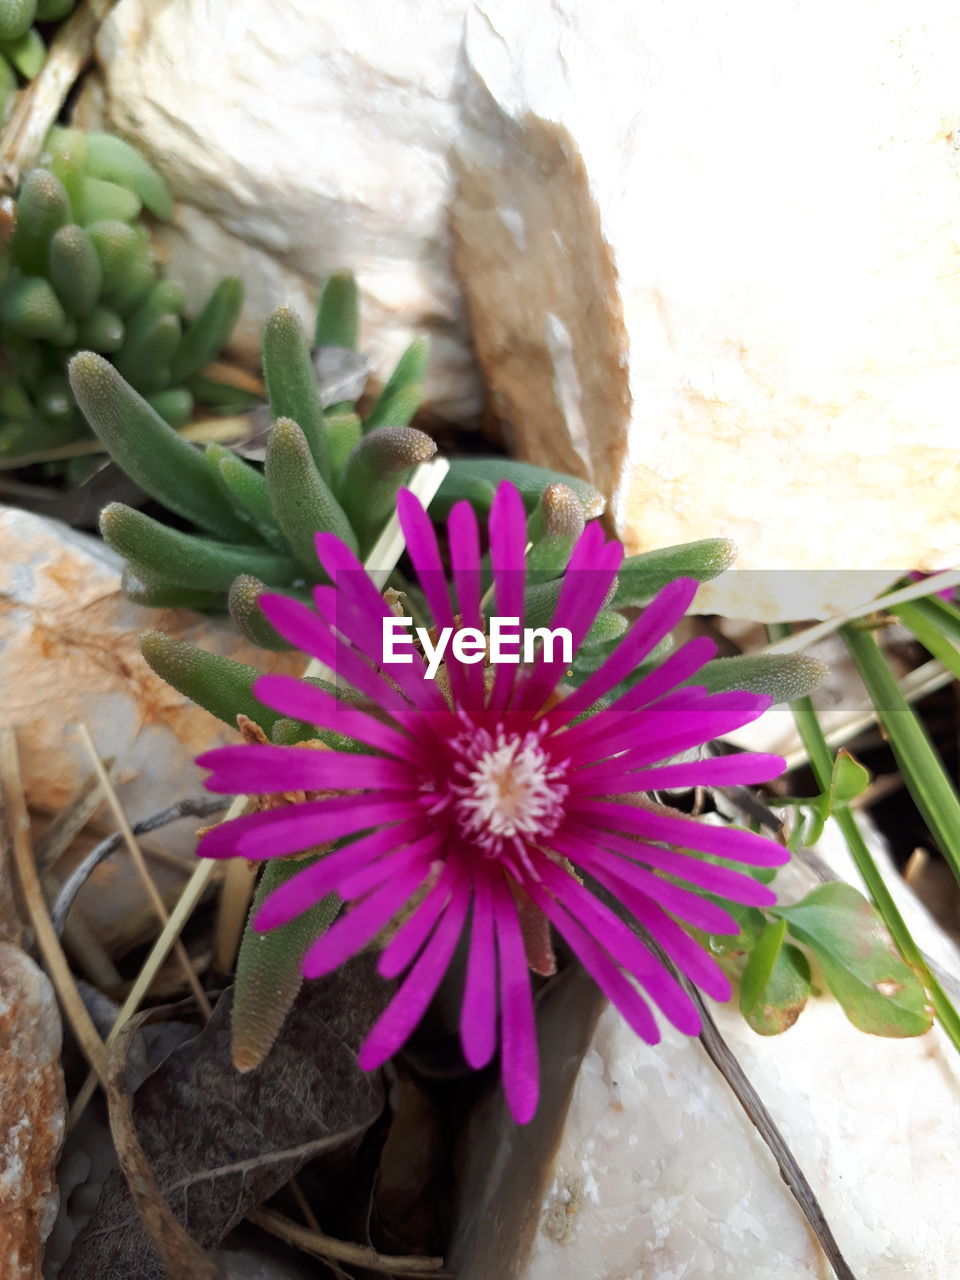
(878, 992)
(849, 780)
(775, 983)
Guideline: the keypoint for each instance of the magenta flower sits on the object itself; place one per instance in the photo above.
(480, 800)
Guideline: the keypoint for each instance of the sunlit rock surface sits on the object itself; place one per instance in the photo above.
(70, 655)
(658, 1174)
(708, 253)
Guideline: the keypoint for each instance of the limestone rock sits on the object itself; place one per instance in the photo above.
(303, 139)
(657, 1172)
(726, 296)
(69, 654)
(32, 1112)
(707, 255)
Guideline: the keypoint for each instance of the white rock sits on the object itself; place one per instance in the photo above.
(658, 1174)
(317, 134)
(69, 655)
(708, 252)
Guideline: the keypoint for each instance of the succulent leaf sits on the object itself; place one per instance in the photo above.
(292, 384)
(149, 451)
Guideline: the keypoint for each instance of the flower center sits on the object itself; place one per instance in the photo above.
(505, 788)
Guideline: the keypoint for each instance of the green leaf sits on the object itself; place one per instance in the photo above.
(608, 625)
(246, 490)
(207, 335)
(374, 473)
(775, 983)
(217, 684)
(28, 53)
(476, 480)
(175, 405)
(16, 18)
(268, 966)
(164, 465)
(108, 202)
(552, 530)
(243, 603)
(199, 563)
(292, 382)
(935, 625)
(344, 431)
(31, 307)
(156, 592)
(54, 10)
(782, 677)
(144, 359)
(42, 208)
(74, 269)
(409, 374)
(848, 780)
(114, 160)
(921, 766)
(102, 331)
(338, 315)
(877, 991)
(642, 576)
(301, 499)
(118, 247)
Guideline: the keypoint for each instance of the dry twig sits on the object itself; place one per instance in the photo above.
(358, 1255)
(39, 104)
(15, 808)
(153, 893)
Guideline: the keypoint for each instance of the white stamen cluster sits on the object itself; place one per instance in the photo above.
(505, 788)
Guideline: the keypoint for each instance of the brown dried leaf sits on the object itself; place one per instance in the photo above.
(219, 1143)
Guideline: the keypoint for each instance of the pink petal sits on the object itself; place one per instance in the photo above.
(301, 826)
(689, 957)
(625, 880)
(302, 701)
(665, 729)
(307, 887)
(601, 968)
(518, 1055)
(413, 933)
(263, 770)
(478, 1014)
(361, 881)
(303, 628)
(687, 833)
(657, 620)
(716, 771)
(464, 541)
(364, 629)
(363, 921)
(683, 866)
(623, 946)
(508, 540)
(408, 1006)
(586, 584)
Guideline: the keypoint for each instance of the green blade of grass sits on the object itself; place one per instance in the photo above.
(921, 766)
(935, 626)
(821, 762)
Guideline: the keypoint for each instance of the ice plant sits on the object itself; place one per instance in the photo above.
(480, 803)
